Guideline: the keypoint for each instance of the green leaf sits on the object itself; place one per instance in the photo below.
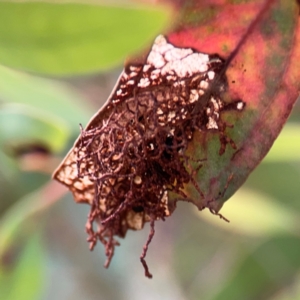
(22, 126)
(9, 167)
(18, 221)
(24, 278)
(21, 252)
(73, 38)
(45, 94)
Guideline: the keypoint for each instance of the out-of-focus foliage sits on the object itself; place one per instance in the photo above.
(43, 253)
(73, 38)
(27, 280)
(51, 96)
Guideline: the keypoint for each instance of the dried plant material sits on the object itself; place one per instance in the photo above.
(132, 153)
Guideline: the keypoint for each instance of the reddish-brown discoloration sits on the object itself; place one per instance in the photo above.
(263, 74)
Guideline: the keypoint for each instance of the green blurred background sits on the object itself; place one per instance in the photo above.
(58, 64)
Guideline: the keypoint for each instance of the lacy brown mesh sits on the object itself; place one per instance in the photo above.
(132, 153)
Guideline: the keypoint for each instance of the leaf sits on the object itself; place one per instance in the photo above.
(23, 126)
(22, 256)
(26, 278)
(74, 38)
(141, 152)
(136, 143)
(261, 41)
(8, 167)
(44, 94)
(26, 99)
(18, 220)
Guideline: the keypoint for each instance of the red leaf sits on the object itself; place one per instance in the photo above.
(260, 40)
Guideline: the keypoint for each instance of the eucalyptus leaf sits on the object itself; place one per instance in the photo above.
(22, 126)
(24, 279)
(74, 38)
(45, 94)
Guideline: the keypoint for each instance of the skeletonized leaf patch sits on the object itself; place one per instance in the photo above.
(132, 153)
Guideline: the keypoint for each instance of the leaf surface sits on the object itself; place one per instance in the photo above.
(261, 41)
(37, 129)
(44, 94)
(74, 38)
(26, 278)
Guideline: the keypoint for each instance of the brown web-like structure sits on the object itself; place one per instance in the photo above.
(132, 153)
